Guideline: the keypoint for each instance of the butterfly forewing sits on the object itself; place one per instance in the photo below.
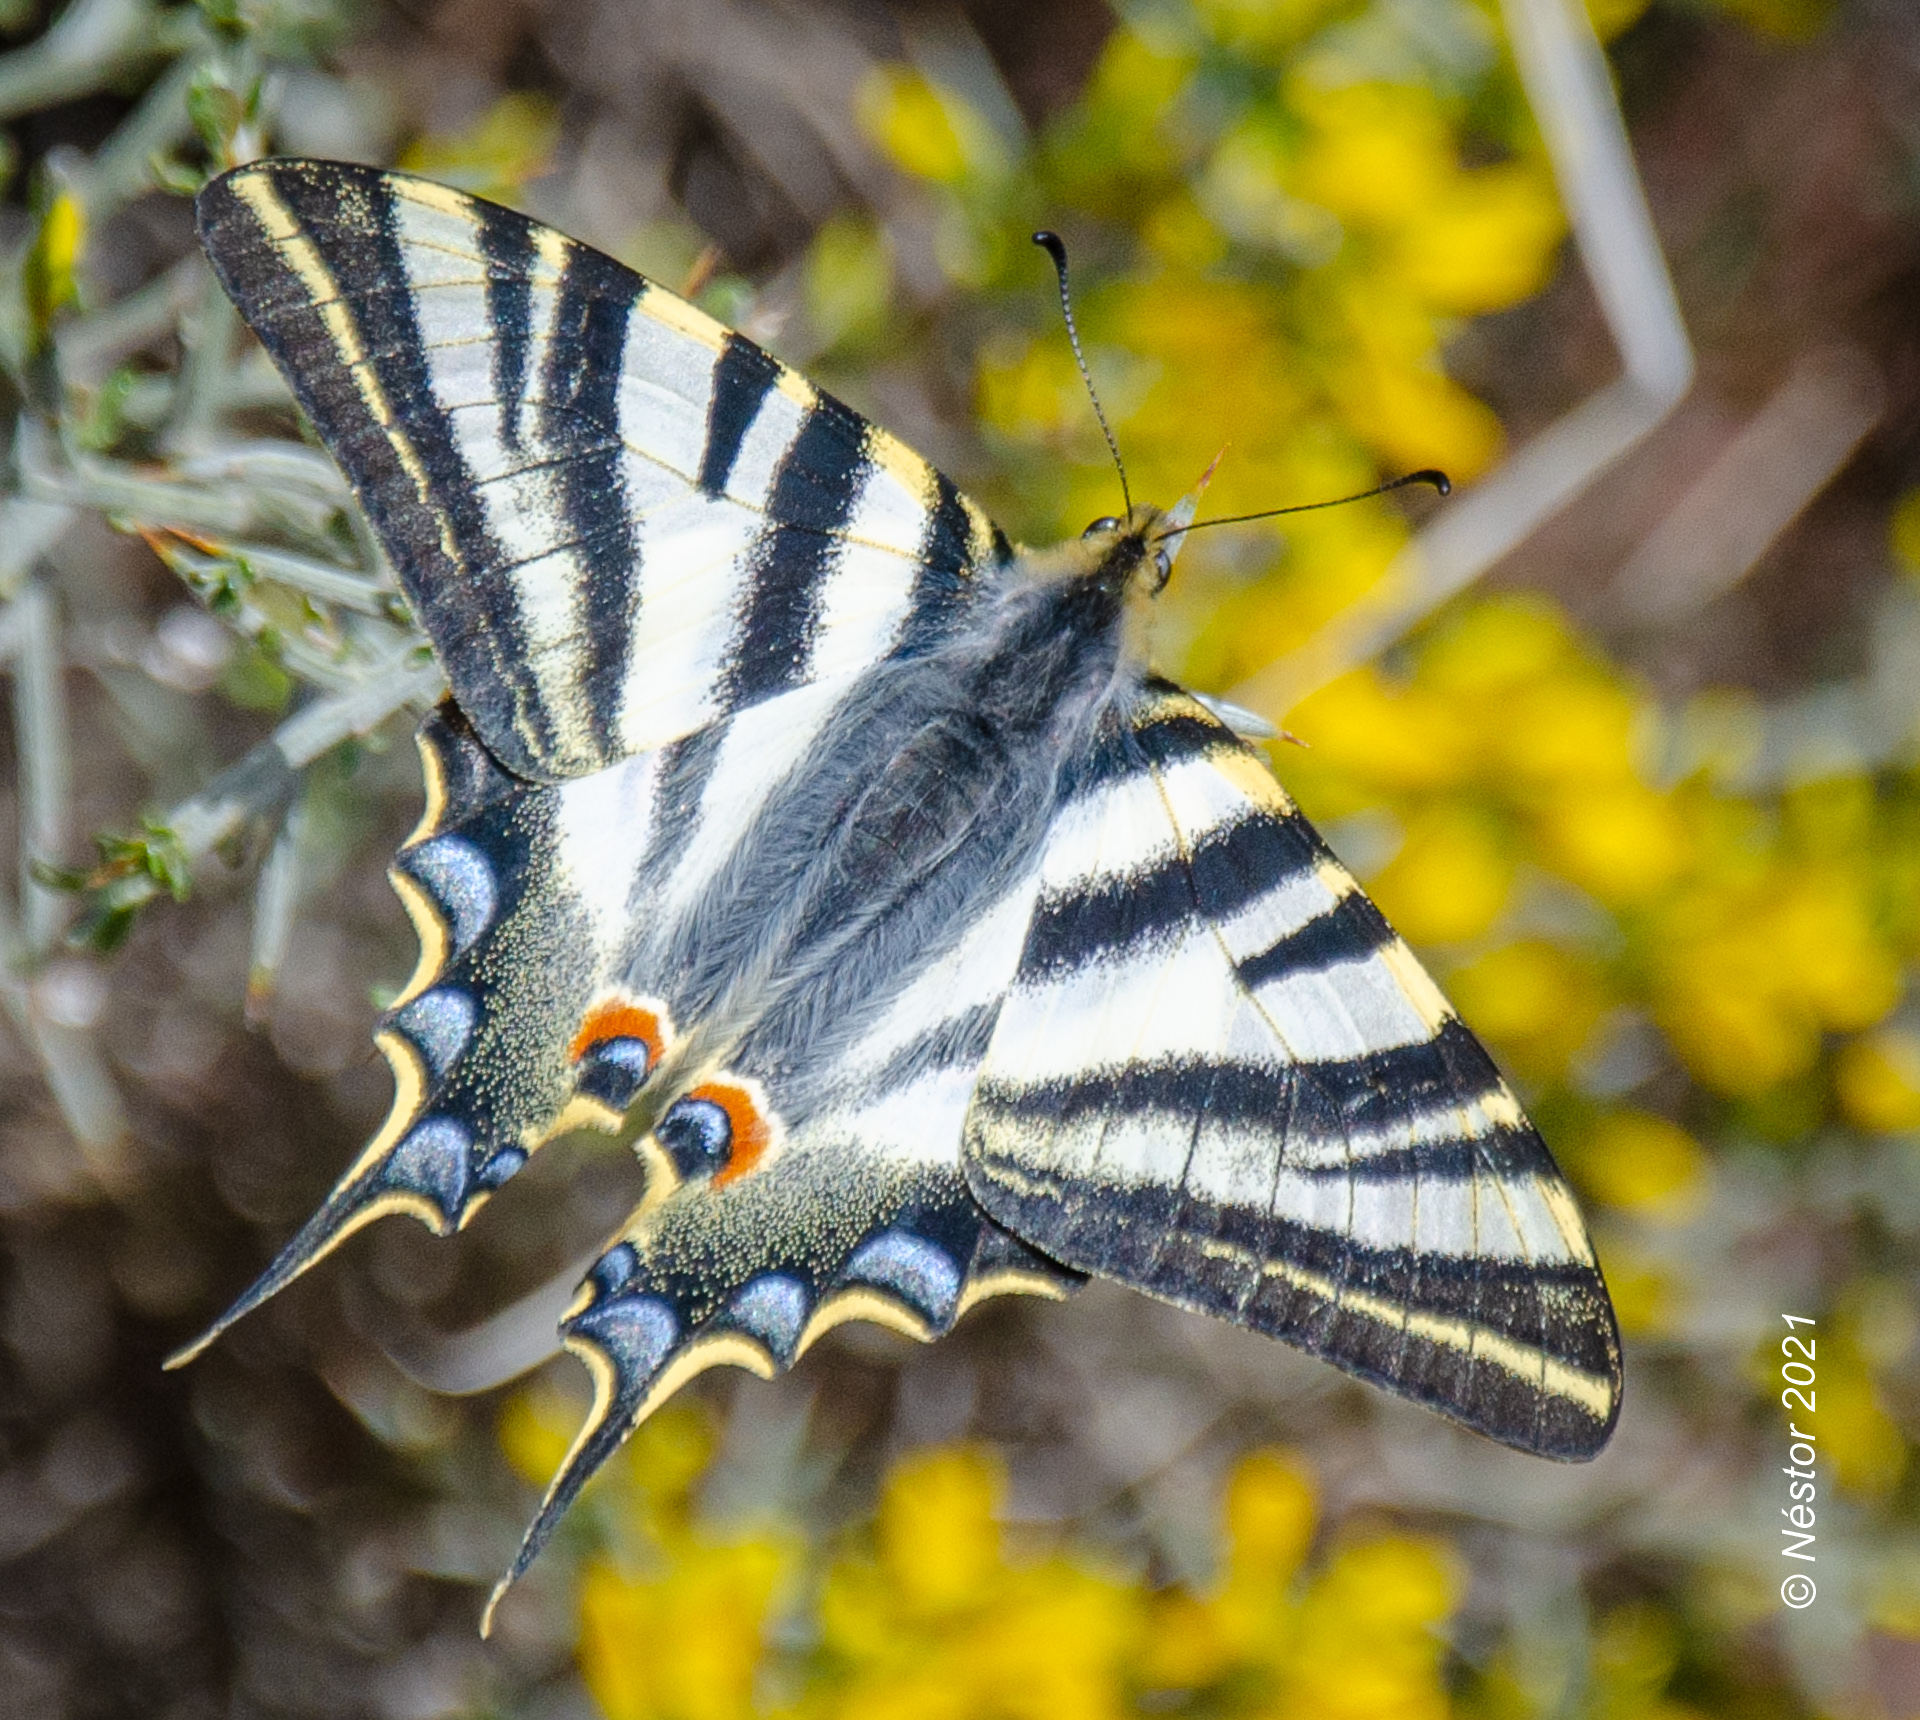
(617, 520)
(1221, 1078)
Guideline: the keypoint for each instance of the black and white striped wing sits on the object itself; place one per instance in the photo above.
(1221, 1078)
(617, 520)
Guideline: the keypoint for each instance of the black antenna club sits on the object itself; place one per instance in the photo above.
(1426, 475)
(1055, 248)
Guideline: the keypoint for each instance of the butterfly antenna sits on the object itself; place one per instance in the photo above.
(1427, 475)
(1052, 244)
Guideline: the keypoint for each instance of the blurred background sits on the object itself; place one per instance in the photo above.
(1625, 737)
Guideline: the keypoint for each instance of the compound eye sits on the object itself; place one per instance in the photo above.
(1163, 565)
(1105, 523)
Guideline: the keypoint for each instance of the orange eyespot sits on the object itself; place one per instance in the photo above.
(749, 1132)
(620, 1018)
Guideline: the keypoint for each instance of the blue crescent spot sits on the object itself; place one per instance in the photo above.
(773, 1309)
(498, 1168)
(615, 1269)
(614, 1070)
(436, 1160)
(636, 1332)
(439, 1022)
(921, 1273)
(460, 879)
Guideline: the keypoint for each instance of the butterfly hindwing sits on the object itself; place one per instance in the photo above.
(506, 1034)
(617, 520)
(1221, 1078)
(784, 1200)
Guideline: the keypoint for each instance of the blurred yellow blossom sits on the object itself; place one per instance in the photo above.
(1747, 978)
(1877, 1080)
(939, 1543)
(536, 1432)
(1488, 240)
(1857, 1436)
(1642, 1163)
(52, 279)
(1621, 844)
(1265, 26)
(1376, 153)
(1646, 1297)
(511, 143)
(923, 129)
(1536, 1002)
(1903, 531)
(1610, 17)
(1373, 732)
(684, 1644)
(1451, 878)
(849, 274)
(939, 1623)
(1369, 1645)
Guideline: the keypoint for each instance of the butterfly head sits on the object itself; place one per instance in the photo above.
(1135, 554)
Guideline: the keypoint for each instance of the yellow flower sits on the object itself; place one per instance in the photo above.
(1265, 26)
(1452, 876)
(1748, 977)
(1183, 1644)
(1877, 1080)
(1495, 646)
(939, 1625)
(1645, 1164)
(1856, 1435)
(1564, 729)
(1790, 20)
(1271, 1508)
(939, 1542)
(1369, 1646)
(1485, 242)
(1385, 736)
(1611, 17)
(1536, 1002)
(1824, 938)
(1416, 416)
(1726, 1024)
(685, 1645)
(1377, 154)
(511, 143)
(53, 261)
(1644, 1294)
(1621, 844)
(536, 1432)
(1903, 531)
(923, 129)
(1636, 1650)
(848, 280)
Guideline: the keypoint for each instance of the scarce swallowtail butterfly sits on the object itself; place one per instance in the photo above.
(786, 816)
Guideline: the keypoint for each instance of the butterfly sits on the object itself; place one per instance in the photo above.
(786, 818)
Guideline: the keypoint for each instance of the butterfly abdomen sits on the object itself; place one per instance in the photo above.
(927, 792)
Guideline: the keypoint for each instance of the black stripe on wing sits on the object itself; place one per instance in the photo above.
(815, 488)
(309, 254)
(742, 380)
(579, 410)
